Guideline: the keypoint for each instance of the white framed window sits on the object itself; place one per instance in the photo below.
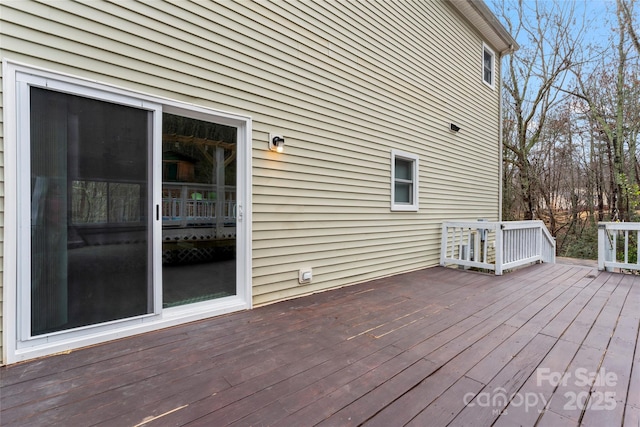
(488, 66)
(404, 181)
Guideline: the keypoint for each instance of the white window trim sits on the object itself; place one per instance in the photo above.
(486, 48)
(405, 207)
(15, 347)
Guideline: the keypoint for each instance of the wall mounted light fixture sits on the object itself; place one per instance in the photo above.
(276, 143)
(455, 128)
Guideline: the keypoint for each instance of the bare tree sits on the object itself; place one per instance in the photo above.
(571, 132)
(610, 92)
(533, 76)
(626, 8)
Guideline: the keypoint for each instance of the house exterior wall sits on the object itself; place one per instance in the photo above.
(343, 82)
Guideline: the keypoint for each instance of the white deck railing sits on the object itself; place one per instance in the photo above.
(613, 239)
(496, 246)
(184, 203)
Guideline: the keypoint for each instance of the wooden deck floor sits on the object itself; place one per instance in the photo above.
(430, 348)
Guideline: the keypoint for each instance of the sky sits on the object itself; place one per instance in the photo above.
(599, 15)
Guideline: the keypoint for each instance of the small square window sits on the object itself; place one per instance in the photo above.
(404, 181)
(488, 65)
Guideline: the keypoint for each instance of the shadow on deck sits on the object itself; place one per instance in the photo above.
(433, 347)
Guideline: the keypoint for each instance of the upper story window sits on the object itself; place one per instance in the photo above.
(404, 181)
(488, 65)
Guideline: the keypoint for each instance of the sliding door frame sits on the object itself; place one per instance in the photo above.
(18, 344)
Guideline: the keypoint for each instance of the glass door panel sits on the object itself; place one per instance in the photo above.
(90, 198)
(198, 210)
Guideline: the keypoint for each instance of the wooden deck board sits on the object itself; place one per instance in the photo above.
(506, 382)
(422, 348)
(537, 389)
(368, 405)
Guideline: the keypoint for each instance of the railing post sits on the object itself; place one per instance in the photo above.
(443, 243)
(602, 229)
(499, 254)
(606, 247)
(539, 250)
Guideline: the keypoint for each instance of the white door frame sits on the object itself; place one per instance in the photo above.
(16, 258)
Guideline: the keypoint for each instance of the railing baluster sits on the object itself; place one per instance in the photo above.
(522, 245)
(451, 236)
(626, 246)
(485, 246)
(454, 238)
(453, 241)
(507, 247)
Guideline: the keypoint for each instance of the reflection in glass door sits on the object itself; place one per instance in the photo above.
(198, 210)
(90, 228)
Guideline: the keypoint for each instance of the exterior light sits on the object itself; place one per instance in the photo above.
(276, 143)
(454, 128)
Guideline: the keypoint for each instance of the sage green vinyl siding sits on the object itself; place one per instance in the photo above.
(343, 82)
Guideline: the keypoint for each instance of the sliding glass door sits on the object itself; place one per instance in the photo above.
(90, 169)
(126, 214)
(199, 210)
(92, 211)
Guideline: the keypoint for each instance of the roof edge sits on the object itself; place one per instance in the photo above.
(484, 20)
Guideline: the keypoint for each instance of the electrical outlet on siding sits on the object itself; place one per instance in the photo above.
(305, 275)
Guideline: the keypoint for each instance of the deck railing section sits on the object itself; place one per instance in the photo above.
(618, 245)
(188, 203)
(496, 246)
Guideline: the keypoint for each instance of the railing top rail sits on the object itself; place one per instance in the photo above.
(175, 184)
(490, 225)
(513, 225)
(548, 235)
(505, 225)
(631, 226)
